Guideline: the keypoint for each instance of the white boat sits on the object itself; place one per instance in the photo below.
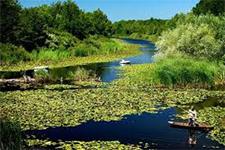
(124, 61)
(42, 68)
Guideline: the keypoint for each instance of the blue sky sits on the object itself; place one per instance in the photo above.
(128, 9)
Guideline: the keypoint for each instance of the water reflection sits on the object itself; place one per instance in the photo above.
(144, 129)
(192, 140)
(106, 71)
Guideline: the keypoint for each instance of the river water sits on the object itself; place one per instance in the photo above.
(148, 130)
(106, 71)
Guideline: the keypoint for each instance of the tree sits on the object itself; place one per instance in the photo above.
(216, 7)
(9, 17)
(32, 26)
(190, 39)
(67, 17)
(101, 24)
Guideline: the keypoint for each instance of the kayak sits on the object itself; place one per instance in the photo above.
(185, 125)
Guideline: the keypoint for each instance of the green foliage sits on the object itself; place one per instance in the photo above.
(184, 71)
(33, 23)
(80, 74)
(80, 145)
(126, 50)
(60, 39)
(9, 16)
(46, 54)
(12, 54)
(198, 36)
(97, 23)
(198, 41)
(95, 45)
(215, 116)
(216, 7)
(142, 27)
(42, 75)
(176, 72)
(10, 135)
(44, 108)
(67, 16)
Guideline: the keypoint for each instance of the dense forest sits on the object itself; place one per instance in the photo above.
(141, 29)
(59, 29)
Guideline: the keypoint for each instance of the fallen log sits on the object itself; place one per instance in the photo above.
(17, 81)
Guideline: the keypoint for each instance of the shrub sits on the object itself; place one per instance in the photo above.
(81, 74)
(198, 36)
(60, 39)
(198, 41)
(46, 54)
(12, 54)
(184, 71)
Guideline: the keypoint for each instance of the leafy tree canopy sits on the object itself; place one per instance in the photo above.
(215, 7)
(9, 14)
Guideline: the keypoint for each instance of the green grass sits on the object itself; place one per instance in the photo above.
(184, 72)
(59, 58)
(46, 54)
(11, 54)
(177, 72)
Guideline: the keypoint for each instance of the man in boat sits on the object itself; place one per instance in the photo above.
(192, 117)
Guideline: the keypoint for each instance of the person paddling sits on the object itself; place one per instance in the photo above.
(192, 114)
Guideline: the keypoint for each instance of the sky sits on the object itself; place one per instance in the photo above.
(128, 9)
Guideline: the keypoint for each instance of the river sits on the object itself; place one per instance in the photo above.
(148, 130)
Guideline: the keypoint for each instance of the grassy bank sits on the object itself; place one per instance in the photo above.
(108, 51)
(177, 72)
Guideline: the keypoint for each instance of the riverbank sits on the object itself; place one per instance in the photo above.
(175, 73)
(125, 51)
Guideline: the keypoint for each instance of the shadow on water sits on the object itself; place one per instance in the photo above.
(149, 130)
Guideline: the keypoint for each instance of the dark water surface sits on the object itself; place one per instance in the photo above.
(149, 130)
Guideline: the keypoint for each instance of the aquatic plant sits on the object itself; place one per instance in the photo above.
(81, 74)
(44, 108)
(10, 135)
(214, 116)
(79, 145)
(42, 75)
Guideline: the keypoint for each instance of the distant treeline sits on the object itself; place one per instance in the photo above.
(29, 27)
(150, 26)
